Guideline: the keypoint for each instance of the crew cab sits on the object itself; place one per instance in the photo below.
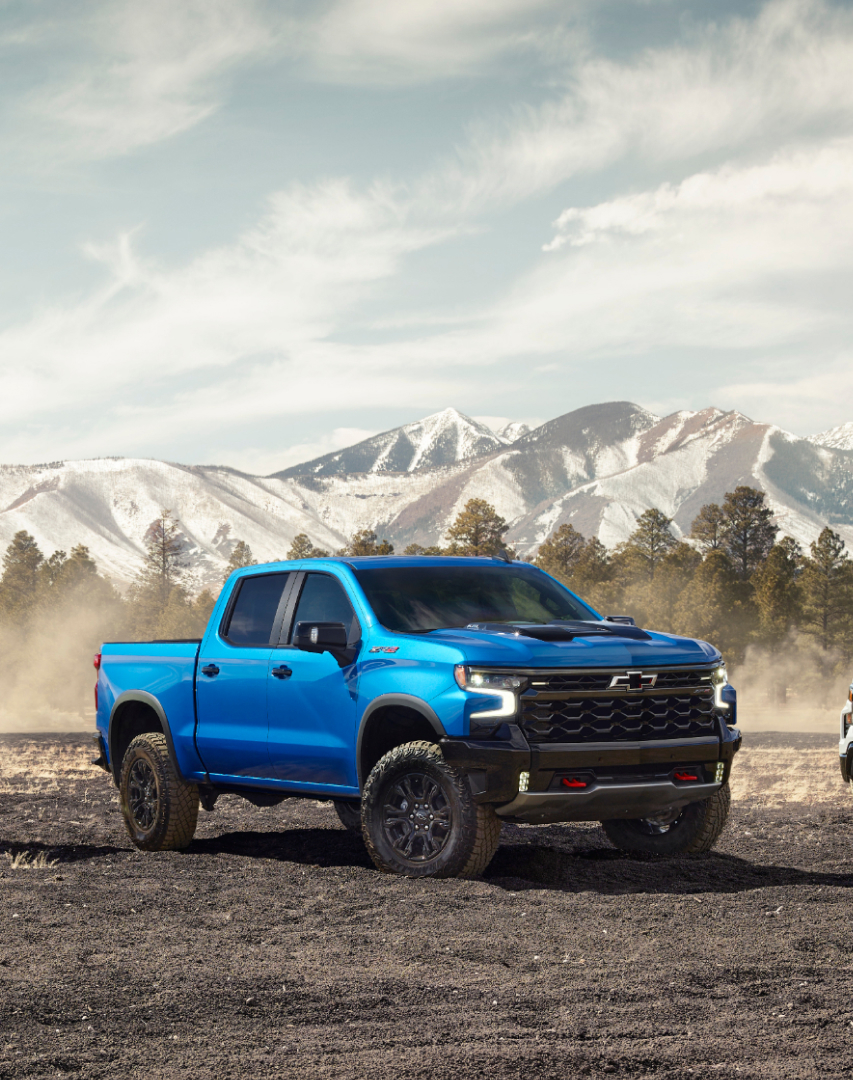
(430, 699)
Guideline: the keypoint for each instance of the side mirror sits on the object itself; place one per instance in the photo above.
(624, 620)
(319, 637)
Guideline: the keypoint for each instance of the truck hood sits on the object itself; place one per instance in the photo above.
(496, 649)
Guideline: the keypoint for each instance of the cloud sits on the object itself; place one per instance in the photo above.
(146, 72)
(262, 461)
(294, 317)
(386, 41)
(733, 87)
(240, 330)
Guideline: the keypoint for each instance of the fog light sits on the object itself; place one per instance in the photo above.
(719, 771)
(523, 781)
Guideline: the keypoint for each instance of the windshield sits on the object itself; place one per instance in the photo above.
(416, 599)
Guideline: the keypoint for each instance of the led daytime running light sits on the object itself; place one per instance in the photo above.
(719, 679)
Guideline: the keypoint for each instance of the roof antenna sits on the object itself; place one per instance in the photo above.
(503, 554)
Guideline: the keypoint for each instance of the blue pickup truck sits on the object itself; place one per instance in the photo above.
(430, 699)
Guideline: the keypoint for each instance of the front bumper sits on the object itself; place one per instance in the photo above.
(603, 803)
(623, 779)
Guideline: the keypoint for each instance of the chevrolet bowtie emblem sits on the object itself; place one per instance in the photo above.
(633, 680)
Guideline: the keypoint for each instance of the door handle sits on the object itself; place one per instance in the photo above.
(210, 669)
(283, 672)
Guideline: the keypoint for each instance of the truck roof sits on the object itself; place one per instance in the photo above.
(394, 560)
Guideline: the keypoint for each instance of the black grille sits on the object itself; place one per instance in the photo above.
(607, 719)
(589, 681)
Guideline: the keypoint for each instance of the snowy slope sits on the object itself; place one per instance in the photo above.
(598, 467)
(838, 438)
(512, 431)
(442, 439)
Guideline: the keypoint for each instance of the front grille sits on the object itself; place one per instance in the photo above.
(580, 707)
(579, 681)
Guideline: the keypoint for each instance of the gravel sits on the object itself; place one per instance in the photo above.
(273, 948)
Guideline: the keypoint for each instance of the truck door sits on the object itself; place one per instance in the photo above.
(311, 700)
(231, 683)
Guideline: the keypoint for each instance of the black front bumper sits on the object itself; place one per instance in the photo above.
(621, 779)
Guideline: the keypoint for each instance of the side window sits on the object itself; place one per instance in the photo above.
(324, 600)
(252, 617)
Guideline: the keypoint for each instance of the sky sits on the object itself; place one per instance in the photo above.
(248, 233)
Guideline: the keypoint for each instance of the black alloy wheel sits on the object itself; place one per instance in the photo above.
(420, 818)
(159, 807)
(417, 817)
(142, 795)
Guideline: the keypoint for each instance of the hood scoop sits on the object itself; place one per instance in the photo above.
(565, 630)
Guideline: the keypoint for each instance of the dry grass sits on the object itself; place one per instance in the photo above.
(27, 860)
(772, 777)
(776, 777)
(36, 767)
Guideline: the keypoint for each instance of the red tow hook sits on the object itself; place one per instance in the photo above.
(685, 776)
(573, 782)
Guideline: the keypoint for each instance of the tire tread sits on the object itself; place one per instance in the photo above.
(480, 826)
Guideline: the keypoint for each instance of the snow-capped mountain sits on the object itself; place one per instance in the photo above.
(838, 438)
(512, 431)
(445, 438)
(598, 467)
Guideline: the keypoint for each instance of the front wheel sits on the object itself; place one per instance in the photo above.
(420, 818)
(160, 809)
(688, 831)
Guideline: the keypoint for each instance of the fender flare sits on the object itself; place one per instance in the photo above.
(408, 701)
(146, 699)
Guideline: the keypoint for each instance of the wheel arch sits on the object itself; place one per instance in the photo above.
(389, 721)
(134, 713)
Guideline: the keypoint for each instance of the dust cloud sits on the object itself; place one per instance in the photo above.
(796, 687)
(47, 678)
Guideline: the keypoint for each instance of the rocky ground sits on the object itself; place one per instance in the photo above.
(272, 948)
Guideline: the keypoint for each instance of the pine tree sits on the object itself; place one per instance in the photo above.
(657, 600)
(160, 575)
(366, 542)
(559, 553)
(302, 548)
(776, 592)
(748, 530)
(827, 586)
(712, 609)
(240, 556)
(19, 584)
(647, 545)
(416, 549)
(477, 530)
(708, 528)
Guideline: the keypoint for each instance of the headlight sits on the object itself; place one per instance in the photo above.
(719, 679)
(503, 687)
(473, 679)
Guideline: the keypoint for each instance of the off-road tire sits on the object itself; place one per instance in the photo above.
(171, 804)
(696, 829)
(349, 815)
(466, 843)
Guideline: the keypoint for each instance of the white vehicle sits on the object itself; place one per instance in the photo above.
(845, 745)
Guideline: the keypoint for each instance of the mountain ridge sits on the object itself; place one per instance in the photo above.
(597, 467)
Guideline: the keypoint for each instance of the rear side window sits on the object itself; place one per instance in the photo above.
(324, 600)
(252, 616)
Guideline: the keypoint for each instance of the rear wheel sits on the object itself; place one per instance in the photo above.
(160, 809)
(349, 814)
(420, 818)
(690, 830)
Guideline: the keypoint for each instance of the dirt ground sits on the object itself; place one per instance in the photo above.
(272, 948)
